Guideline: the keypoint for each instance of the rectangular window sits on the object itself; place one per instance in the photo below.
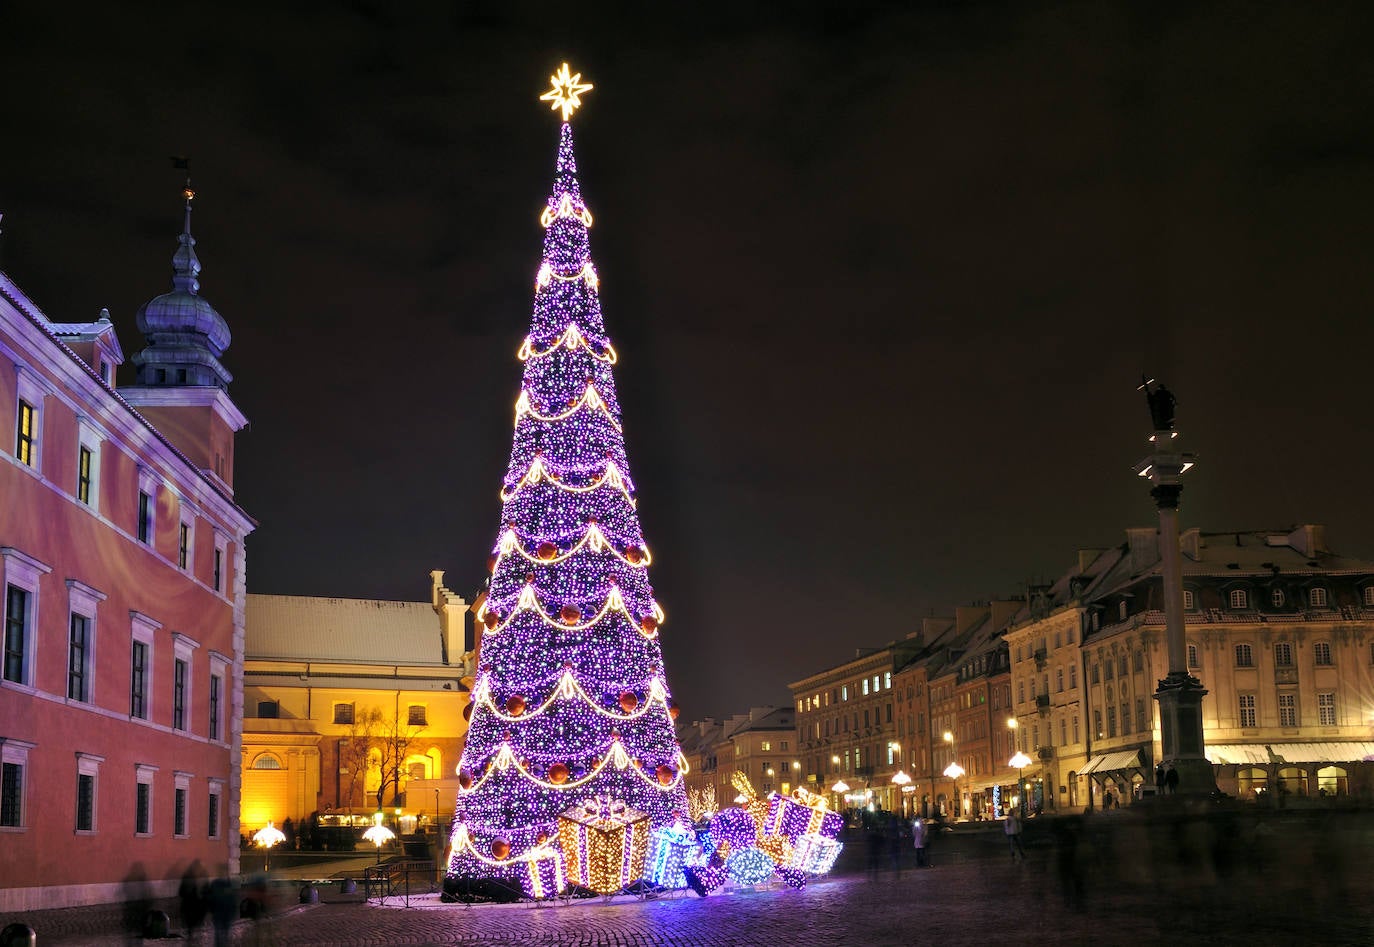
(1059, 678)
(76, 658)
(1140, 714)
(138, 681)
(1239, 599)
(1125, 718)
(145, 517)
(179, 695)
(1097, 723)
(1326, 709)
(1075, 729)
(27, 434)
(184, 545)
(16, 633)
(343, 713)
(212, 815)
(85, 802)
(1188, 600)
(83, 475)
(179, 816)
(11, 794)
(1111, 721)
(1095, 674)
(415, 715)
(1288, 710)
(1245, 656)
(215, 684)
(219, 565)
(1321, 653)
(1193, 661)
(1283, 654)
(1063, 732)
(1247, 710)
(865, 687)
(143, 809)
(1318, 598)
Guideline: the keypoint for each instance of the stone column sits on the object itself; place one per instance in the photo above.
(1179, 694)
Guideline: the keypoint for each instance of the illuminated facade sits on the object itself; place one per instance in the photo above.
(121, 564)
(341, 695)
(1279, 629)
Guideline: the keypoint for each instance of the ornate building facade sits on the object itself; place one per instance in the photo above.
(122, 565)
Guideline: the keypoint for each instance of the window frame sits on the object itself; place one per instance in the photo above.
(411, 715)
(82, 602)
(1238, 599)
(143, 631)
(24, 573)
(87, 767)
(183, 652)
(145, 515)
(1194, 655)
(181, 804)
(1249, 654)
(1247, 711)
(144, 775)
(1288, 711)
(1283, 654)
(15, 753)
(345, 713)
(1321, 654)
(1189, 600)
(215, 728)
(88, 440)
(1317, 597)
(213, 805)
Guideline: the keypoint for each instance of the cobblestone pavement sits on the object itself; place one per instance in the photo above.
(974, 895)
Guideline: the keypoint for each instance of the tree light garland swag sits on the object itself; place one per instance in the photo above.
(571, 703)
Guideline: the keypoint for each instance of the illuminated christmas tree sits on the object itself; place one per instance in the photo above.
(570, 708)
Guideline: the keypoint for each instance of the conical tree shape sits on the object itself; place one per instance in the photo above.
(570, 702)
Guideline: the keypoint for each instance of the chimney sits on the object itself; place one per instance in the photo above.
(1143, 542)
(1308, 539)
(454, 637)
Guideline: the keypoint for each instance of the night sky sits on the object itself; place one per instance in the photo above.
(883, 279)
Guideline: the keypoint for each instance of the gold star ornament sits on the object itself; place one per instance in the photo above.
(566, 92)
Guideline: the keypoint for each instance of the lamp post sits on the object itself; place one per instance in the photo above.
(267, 836)
(839, 789)
(954, 764)
(1020, 761)
(437, 830)
(901, 780)
(379, 835)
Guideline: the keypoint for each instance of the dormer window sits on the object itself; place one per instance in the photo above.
(1121, 611)
(1369, 595)
(1189, 602)
(1239, 598)
(1276, 597)
(1317, 597)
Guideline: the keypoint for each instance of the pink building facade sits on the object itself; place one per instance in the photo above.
(122, 573)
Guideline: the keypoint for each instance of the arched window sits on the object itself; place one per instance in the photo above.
(266, 761)
(1276, 597)
(1251, 782)
(1293, 781)
(1317, 597)
(1332, 781)
(1239, 599)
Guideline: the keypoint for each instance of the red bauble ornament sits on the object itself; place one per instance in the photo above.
(529, 577)
(570, 614)
(665, 775)
(674, 710)
(467, 713)
(500, 848)
(629, 701)
(634, 555)
(465, 779)
(648, 624)
(491, 620)
(515, 705)
(541, 838)
(558, 773)
(546, 551)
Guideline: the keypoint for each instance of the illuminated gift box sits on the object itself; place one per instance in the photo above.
(815, 854)
(805, 814)
(543, 876)
(672, 848)
(604, 844)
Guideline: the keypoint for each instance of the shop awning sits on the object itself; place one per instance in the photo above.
(1112, 762)
(1257, 754)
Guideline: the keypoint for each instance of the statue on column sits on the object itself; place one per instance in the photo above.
(1161, 401)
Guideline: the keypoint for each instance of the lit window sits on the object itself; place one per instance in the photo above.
(1321, 653)
(865, 687)
(1247, 710)
(1239, 599)
(266, 761)
(1326, 709)
(415, 715)
(83, 474)
(27, 435)
(1318, 598)
(343, 713)
(1288, 710)
(887, 680)
(1245, 656)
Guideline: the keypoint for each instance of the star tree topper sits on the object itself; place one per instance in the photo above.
(566, 92)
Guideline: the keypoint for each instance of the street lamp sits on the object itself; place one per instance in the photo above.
(954, 764)
(379, 835)
(954, 771)
(901, 781)
(267, 836)
(1020, 761)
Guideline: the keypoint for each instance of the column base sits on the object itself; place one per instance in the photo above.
(1180, 716)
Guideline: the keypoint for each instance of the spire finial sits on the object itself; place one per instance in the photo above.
(566, 92)
(185, 264)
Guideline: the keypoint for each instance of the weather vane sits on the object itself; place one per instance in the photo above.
(566, 92)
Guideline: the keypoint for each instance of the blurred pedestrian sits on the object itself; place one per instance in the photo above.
(1171, 779)
(1159, 778)
(1067, 861)
(138, 901)
(894, 840)
(192, 894)
(874, 839)
(918, 839)
(224, 907)
(1012, 827)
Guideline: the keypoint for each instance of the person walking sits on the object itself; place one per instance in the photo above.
(1012, 826)
(918, 839)
(1171, 779)
(1159, 778)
